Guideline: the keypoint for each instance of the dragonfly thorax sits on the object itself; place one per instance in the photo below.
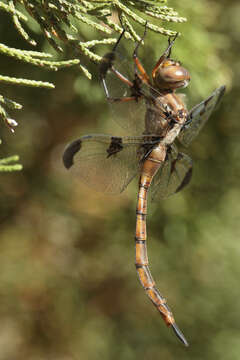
(171, 75)
(163, 112)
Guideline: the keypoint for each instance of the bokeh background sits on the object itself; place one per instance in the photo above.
(68, 284)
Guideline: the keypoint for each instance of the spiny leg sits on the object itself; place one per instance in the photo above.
(122, 99)
(165, 55)
(121, 77)
(134, 88)
(109, 58)
(137, 64)
(118, 40)
(107, 64)
(170, 44)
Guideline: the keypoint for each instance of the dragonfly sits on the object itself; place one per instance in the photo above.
(109, 163)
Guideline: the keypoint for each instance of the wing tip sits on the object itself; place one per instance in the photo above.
(69, 153)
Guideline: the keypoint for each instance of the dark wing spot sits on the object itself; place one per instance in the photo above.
(146, 148)
(222, 91)
(69, 153)
(115, 146)
(206, 102)
(136, 88)
(173, 164)
(186, 180)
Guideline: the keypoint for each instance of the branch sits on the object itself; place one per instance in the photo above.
(7, 164)
(61, 23)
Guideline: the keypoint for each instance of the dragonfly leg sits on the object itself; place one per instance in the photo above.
(137, 64)
(143, 74)
(165, 55)
(122, 99)
(134, 88)
(109, 58)
(118, 40)
(170, 44)
(188, 122)
(107, 64)
(133, 85)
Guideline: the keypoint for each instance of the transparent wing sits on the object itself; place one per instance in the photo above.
(129, 114)
(199, 115)
(104, 162)
(174, 175)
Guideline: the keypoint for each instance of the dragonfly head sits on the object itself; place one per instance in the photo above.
(171, 75)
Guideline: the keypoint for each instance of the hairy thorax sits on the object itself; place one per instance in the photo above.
(162, 112)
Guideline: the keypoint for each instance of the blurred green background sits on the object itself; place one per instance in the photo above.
(68, 284)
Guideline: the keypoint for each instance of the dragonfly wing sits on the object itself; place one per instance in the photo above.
(199, 115)
(160, 181)
(174, 175)
(130, 112)
(127, 114)
(104, 162)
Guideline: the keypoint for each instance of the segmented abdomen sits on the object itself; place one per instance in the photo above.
(149, 168)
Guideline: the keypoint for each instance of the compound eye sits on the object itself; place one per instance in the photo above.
(174, 73)
(171, 77)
